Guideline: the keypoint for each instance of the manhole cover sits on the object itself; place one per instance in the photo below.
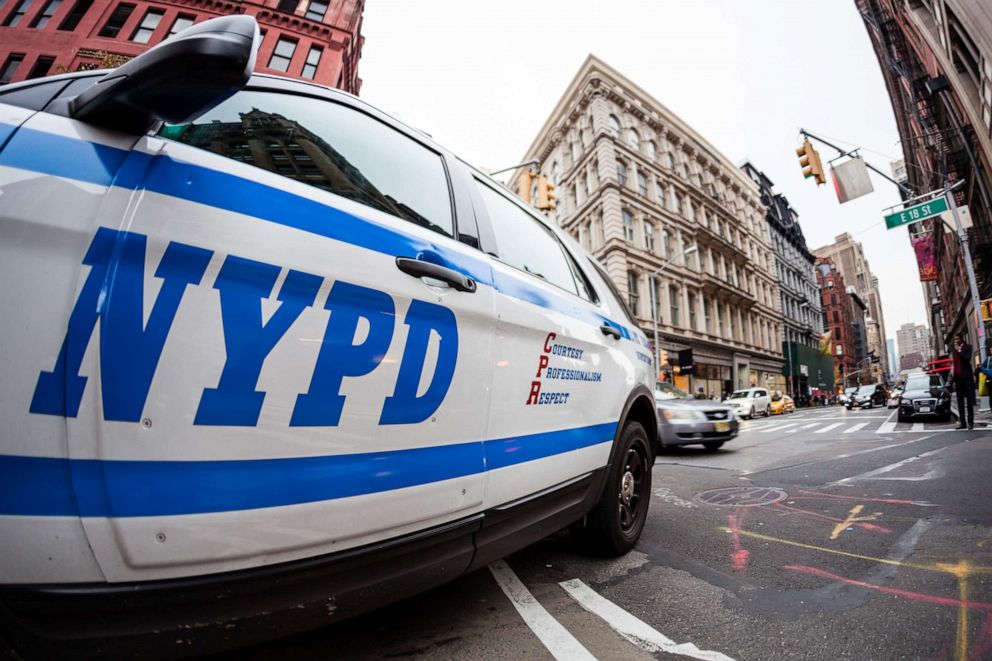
(740, 496)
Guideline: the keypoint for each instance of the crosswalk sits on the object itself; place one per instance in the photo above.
(836, 422)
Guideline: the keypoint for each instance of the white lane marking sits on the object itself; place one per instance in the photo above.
(549, 631)
(778, 428)
(917, 426)
(888, 426)
(892, 467)
(636, 631)
(815, 424)
(828, 428)
(855, 428)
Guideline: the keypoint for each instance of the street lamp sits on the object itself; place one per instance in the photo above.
(654, 303)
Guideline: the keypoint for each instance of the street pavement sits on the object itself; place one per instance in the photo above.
(822, 534)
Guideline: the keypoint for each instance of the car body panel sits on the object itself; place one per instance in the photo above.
(710, 422)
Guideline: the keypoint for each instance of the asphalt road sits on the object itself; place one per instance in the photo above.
(824, 534)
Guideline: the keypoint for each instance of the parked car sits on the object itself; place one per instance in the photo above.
(783, 404)
(750, 402)
(866, 397)
(683, 420)
(925, 396)
(273, 361)
(846, 395)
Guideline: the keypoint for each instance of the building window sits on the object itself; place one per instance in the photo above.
(615, 125)
(673, 297)
(692, 313)
(649, 236)
(621, 173)
(182, 22)
(633, 297)
(706, 315)
(75, 15)
(143, 34)
(288, 6)
(668, 245)
(117, 20)
(10, 67)
(15, 16)
(45, 15)
(628, 225)
(313, 59)
(642, 184)
(316, 10)
(719, 319)
(282, 55)
(633, 139)
(41, 67)
(652, 150)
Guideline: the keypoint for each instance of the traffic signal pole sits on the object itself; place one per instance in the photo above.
(904, 188)
(969, 267)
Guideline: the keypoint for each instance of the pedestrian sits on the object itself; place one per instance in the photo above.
(964, 382)
(700, 393)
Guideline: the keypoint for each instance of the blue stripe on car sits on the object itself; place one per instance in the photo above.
(45, 486)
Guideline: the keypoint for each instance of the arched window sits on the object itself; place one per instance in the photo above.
(621, 173)
(633, 139)
(615, 125)
(628, 225)
(652, 150)
(554, 173)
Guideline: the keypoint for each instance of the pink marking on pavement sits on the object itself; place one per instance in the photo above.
(825, 517)
(914, 596)
(739, 556)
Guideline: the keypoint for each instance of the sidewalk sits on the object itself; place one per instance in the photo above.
(983, 416)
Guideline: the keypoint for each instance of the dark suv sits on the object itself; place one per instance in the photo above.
(868, 396)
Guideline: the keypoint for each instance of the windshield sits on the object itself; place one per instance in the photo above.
(664, 390)
(923, 382)
(866, 390)
(741, 394)
(850, 391)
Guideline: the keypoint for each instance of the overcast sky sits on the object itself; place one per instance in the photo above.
(482, 77)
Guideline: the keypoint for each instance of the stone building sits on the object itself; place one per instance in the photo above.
(646, 194)
(805, 368)
(837, 321)
(914, 340)
(848, 256)
(936, 59)
(318, 40)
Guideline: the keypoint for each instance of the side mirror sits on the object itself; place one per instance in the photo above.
(176, 81)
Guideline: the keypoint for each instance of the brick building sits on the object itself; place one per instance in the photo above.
(837, 319)
(318, 40)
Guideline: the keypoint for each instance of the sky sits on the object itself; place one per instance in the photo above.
(482, 78)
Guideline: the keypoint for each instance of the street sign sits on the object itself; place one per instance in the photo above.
(916, 213)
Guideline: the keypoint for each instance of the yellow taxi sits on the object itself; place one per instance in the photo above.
(782, 404)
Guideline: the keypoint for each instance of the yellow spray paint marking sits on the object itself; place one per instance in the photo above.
(962, 570)
(853, 518)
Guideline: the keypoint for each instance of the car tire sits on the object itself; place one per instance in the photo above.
(713, 446)
(750, 416)
(615, 524)
(768, 411)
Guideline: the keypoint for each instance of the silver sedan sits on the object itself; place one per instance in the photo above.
(683, 420)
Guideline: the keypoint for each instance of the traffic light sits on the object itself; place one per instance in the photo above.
(809, 160)
(524, 185)
(545, 193)
(662, 358)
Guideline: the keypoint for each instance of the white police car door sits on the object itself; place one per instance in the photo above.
(271, 384)
(560, 382)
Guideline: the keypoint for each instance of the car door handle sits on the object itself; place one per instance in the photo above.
(606, 329)
(421, 269)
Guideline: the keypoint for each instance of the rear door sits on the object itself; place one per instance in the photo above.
(268, 384)
(559, 382)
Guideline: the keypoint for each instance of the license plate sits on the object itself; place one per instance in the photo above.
(722, 426)
(924, 409)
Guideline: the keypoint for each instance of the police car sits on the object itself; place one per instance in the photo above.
(271, 358)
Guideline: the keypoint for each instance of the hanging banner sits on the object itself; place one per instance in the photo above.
(925, 258)
(826, 345)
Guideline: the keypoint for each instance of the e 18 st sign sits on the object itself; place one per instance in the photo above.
(916, 213)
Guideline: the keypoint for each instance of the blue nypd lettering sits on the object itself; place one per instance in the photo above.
(130, 349)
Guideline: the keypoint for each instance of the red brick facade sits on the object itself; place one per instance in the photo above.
(837, 318)
(41, 37)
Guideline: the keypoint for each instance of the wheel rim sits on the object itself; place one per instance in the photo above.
(631, 488)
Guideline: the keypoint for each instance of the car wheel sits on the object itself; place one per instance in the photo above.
(750, 415)
(713, 445)
(768, 411)
(614, 525)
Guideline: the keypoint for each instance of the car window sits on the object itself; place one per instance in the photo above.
(663, 390)
(525, 243)
(924, 382)
(760, 393)
(740, 394)
(33, 97)
(329, 146)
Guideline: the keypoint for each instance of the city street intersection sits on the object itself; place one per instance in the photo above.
(822, 534)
